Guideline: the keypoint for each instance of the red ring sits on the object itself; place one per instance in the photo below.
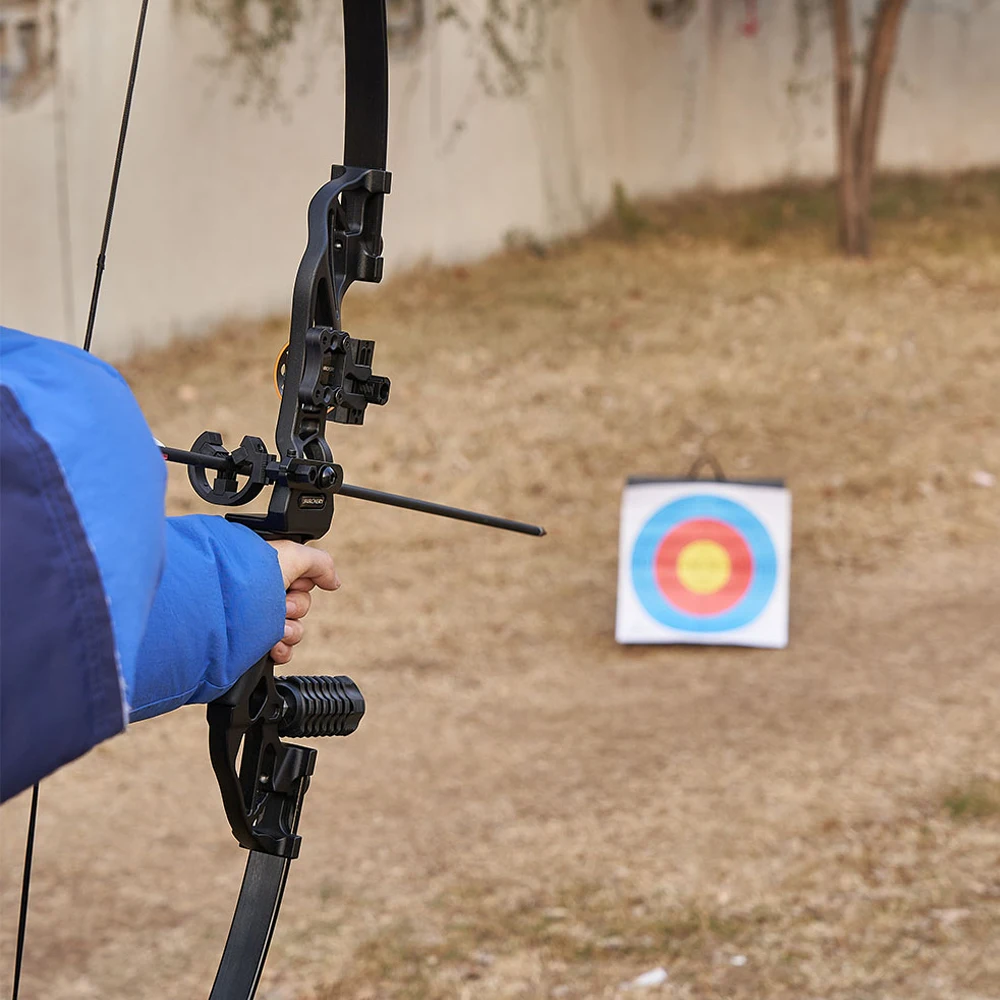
(708, 530)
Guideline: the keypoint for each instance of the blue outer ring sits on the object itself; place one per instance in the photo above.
(764, 572)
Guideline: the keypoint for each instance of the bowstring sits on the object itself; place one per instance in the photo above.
(113, 194)
(62, 194)
(29, 846)
(22, 919)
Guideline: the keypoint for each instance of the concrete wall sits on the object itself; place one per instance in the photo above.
(211, 214)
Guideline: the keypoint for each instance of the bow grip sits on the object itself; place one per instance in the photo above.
(319, 706)
(263, 780)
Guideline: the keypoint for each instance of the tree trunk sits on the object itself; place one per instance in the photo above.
(883, 36)
(857, 135)
(847, 201)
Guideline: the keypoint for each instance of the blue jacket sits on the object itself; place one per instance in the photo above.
(109, 610)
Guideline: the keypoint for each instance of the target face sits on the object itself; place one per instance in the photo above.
(704, 562)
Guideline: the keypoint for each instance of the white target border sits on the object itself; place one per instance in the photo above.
(769, 502)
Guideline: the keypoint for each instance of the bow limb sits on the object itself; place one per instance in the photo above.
(253, 925)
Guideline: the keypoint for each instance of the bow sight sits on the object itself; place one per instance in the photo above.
(323, 374)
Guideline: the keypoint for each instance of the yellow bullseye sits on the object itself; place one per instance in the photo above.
(704, 567)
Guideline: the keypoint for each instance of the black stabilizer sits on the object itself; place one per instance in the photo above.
(319, 706)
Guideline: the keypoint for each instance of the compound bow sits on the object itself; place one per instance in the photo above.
(324, 374)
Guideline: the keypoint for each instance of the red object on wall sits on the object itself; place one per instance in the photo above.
(751, 24)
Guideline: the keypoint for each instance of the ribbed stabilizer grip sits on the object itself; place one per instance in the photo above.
(319, 706)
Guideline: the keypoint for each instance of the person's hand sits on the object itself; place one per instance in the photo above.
(302, 568)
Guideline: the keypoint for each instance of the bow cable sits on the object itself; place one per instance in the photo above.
(29, 846)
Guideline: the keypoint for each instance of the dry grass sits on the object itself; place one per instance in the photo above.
(530, 810)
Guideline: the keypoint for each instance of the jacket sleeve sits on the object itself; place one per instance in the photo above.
(101, 596)
(219, 607)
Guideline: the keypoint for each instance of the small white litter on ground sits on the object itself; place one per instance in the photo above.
(655, 977)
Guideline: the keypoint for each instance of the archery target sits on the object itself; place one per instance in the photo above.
(704, 562)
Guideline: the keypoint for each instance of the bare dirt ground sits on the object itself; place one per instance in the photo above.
(529, 810)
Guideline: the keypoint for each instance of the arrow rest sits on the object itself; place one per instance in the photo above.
(250, 460)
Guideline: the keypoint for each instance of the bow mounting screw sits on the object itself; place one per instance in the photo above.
(301, 473)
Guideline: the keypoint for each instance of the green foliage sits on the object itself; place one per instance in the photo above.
(256, 36)
(508, 40)
(956, 213)
(572, 929)
(980, 799)
(629, 219)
